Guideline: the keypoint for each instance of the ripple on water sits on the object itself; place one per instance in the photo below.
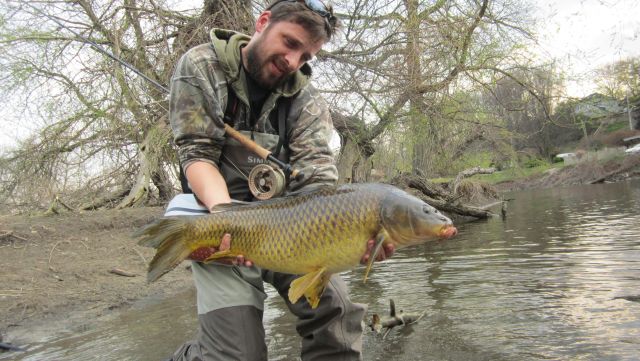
(540, 285)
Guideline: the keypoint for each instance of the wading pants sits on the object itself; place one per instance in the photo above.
(231, 302)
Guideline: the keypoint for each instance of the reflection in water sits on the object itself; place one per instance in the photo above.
(540, 285)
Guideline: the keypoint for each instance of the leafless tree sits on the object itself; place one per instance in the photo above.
(402, 59)
(103, 130)
(102, 136)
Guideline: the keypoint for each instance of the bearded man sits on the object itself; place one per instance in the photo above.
(259, 85)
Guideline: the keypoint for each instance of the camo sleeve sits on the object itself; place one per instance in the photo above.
(195, 113)
(309, 142)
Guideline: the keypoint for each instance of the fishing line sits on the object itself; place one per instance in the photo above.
(100, 49)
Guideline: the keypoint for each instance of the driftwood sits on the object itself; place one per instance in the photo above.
(108, 200)
(622, 168)
(10, 347)
(10, 236)
(468, 173)
(120, 272)
(438, 197)
(394, 319)
(54, 208)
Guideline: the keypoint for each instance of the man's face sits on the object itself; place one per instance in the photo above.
(277, 50)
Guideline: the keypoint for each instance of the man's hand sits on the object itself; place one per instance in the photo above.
(386, 251)
(203, 253)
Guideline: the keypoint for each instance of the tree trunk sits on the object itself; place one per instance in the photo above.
(353, 161)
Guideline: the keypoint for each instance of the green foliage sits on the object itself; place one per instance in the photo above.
(482, 159)
(534, 163)
(619, 79)
(516, 173)
(616, 126)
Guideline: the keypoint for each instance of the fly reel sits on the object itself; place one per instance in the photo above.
(266, 182)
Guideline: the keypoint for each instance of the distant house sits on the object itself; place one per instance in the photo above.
(597, 106)
(568, 158)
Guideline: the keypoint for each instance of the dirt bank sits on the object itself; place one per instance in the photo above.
(615, 170)
(57, 268)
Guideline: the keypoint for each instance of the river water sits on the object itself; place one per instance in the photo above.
(550, 282)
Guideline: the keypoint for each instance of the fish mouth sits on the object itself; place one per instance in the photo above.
(447, 231)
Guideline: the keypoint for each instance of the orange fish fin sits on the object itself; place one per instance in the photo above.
(310, 285)
(372, 257)
(220, 255)
(167, 235)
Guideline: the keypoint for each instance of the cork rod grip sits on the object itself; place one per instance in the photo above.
(246, 142)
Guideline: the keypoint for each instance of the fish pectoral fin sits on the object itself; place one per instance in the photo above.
(310, 285)
(227, 254)
(372, 258)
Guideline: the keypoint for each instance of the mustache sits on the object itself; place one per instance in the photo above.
(282, 64)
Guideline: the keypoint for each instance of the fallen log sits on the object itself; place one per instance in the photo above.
(622, 168)
(468, 173)
(458, 209)
(438, 197)
(431, 190)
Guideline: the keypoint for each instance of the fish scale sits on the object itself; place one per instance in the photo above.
(313, 234)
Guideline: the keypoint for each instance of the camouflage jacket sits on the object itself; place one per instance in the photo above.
(198, 102)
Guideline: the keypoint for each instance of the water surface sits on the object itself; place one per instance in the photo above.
(548, 282)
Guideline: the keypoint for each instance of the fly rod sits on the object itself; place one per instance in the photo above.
(248, 143)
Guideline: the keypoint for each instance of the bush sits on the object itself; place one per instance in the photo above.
(534, 162)
(614, 139)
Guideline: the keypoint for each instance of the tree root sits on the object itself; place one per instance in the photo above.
(438, 197)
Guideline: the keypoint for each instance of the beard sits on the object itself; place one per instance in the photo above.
(259, 64)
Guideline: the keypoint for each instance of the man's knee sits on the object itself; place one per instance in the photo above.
(335, 331)
(232, 333)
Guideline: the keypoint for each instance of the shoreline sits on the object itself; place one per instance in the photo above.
(57, 269)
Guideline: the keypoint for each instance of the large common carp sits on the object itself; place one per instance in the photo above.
(313, 234)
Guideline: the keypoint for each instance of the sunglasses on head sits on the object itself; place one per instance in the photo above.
(317, 6)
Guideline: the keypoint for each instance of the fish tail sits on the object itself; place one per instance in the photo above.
(168, 237)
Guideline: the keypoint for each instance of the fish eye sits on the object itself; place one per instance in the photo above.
(426, 209)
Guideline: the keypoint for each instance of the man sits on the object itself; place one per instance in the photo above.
(243, 81)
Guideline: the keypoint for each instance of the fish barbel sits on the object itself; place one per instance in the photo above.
(312, 234)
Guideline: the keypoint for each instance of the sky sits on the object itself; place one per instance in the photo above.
(586, 34)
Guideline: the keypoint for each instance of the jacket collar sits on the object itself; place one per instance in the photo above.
(227, 45)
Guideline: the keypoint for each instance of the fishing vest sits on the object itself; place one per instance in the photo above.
(236, 161)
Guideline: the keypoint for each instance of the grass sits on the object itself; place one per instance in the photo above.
(623, 124)
(441, 180)
(505, 175)
(515, 173)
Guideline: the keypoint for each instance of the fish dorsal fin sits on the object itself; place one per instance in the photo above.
(223, 207)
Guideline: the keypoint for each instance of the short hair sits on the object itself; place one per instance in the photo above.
(317, 24)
